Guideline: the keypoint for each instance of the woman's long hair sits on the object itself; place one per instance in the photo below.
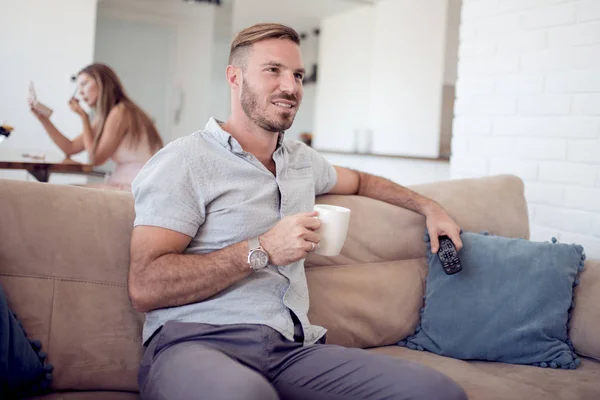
(111, 93)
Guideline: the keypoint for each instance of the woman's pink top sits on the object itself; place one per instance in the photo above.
(129, 160)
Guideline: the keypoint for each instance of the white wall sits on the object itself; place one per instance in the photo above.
(383, 70)
(45, 44)
(452, 29)
(450, 76)
(147, 79)
(529, 104)
(223, 35)
(192, 55)
(343, 88)
(407, 75)
(194, 71)
(399, 170)
(220, 97)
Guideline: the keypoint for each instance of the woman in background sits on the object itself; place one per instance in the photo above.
(120, 130)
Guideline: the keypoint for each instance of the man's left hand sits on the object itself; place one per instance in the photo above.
(438, 224)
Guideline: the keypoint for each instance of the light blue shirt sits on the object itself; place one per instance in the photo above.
(206, 186)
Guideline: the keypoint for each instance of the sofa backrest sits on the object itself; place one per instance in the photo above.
(370, 295)
(64, 256)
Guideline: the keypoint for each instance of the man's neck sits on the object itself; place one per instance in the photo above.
(252, 138)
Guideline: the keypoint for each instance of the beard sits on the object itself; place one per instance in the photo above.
(258, 115)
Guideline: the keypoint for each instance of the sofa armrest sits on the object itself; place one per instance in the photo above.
(585, 323)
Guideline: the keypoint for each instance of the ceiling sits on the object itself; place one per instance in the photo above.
(302, 15)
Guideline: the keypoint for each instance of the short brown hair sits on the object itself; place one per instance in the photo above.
(256, 33)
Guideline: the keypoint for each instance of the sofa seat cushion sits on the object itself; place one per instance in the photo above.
(100, 395)
(510, 303)
(499, 381)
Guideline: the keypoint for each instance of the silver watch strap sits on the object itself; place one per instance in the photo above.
(253, 243)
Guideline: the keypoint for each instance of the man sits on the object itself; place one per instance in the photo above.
(222, 322)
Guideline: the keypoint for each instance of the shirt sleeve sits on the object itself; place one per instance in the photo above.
(166, 193)
(324, 173)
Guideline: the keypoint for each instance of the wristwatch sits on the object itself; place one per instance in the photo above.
(257, 256)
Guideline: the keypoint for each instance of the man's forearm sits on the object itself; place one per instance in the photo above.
(385, 190)
(178, 279)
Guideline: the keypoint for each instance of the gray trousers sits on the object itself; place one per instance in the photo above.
(254, 362)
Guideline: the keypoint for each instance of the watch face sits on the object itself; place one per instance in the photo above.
(259, 259)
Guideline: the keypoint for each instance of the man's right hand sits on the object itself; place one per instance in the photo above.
(292, 238)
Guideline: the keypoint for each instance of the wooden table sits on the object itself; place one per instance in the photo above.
(41, 169)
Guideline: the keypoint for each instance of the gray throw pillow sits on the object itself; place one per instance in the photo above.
(510, 303)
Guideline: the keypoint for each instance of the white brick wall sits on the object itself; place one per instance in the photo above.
(528, 103)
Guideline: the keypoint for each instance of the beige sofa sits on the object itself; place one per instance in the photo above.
(64, 255)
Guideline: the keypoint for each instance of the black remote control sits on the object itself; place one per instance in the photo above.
(449, 256)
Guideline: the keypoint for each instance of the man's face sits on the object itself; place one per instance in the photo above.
(271, 90)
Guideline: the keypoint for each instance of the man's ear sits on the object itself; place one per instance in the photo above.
(234, 76)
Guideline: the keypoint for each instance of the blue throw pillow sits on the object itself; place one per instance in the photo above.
(510, 303)
(22, 369)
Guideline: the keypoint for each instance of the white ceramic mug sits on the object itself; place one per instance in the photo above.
(334, 227)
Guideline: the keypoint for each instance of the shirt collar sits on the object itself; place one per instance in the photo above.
(213, 127)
